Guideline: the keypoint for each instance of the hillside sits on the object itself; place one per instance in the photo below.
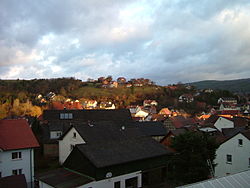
(239, 86)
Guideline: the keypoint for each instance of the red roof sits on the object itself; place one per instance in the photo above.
(16, 134)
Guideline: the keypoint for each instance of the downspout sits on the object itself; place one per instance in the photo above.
(31, 168)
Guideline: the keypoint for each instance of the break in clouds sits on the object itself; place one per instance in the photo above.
(164, 40)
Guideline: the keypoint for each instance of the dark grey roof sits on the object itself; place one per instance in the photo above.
(122, 151)
(63, 178)
(92, 115)
(241, 179)
(108, 131)
(228, 132)
(152, 128)
(179, 131)
(13, 181)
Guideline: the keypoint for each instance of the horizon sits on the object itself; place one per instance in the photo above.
(165, 41)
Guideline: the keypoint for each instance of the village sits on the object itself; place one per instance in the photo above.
(88, 143)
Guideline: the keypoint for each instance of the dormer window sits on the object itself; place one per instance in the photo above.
(66, 116)
(240, 142)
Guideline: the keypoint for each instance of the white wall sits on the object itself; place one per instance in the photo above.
(240, 156)
(107, 183)
(223, 123)
(65, 144)
(26, 163)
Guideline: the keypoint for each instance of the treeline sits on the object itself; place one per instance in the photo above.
(27, 91)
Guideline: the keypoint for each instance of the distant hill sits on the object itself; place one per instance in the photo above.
(239, 86)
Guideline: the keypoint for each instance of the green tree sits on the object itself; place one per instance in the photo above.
(190, 163)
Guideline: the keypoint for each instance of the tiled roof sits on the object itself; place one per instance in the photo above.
(13, 181)
(63, 178)
(152, 128)
(122, 151)
(16, 134)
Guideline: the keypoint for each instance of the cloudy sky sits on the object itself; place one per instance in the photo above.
(164, 40)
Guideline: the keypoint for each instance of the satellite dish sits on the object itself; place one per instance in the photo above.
(109, 175)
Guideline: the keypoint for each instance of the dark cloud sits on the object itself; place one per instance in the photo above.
(166, 41)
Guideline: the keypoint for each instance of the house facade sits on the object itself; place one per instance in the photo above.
(17, 149)
(233, 155)
(68, 142)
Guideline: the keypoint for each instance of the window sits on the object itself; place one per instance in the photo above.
(17, 172)
(61, 115)
(66, 116)
(16, 155)
(229, 158)
(55, 134)
(117, 184)
(240, 142)
(74, 134)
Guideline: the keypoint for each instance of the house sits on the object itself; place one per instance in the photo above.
(66, 105)
(94, 132)
(129, 85)
(227, 100)
(121, 80)
(188, 98)
(17, 144)
(228, 106)
(166, 112)
(107, 105)
(56, 122)
(89, 104)
(223, 123)
(241, 179)
(176, 122)
(113, 84)
(233, 155)
(148, 103)
(120, 161)
(141, 114)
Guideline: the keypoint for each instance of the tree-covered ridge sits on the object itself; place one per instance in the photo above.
(239, 86)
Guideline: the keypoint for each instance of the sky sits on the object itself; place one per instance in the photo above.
(167, 41)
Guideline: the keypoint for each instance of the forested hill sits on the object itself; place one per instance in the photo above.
(239, 86)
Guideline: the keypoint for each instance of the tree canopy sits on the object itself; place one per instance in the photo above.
(193, 149)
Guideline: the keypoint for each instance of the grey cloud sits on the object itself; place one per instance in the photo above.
(174, 41)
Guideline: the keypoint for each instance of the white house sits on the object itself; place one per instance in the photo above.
(233, 155)
(71, 179)
(111, 156)
(16, 149)
(67, 143)
(141, 114)
(223, 123)
(188, 98)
